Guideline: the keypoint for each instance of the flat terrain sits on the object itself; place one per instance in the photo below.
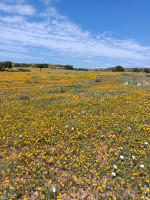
(64, 135)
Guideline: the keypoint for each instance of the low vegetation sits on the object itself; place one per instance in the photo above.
(64, 135)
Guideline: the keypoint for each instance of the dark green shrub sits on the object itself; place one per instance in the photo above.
(4, 65)
(83, 69)
(23, 70)
(22, 65)
(146, 70)
(44, 65)
(136, 70)
(118, 69)
(68, 67)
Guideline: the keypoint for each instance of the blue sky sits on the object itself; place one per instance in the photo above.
(82, 33)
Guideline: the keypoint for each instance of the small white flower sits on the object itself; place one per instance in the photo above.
(133, 157)
(129, 128)
(146, 143)
(121, 157)
(53, 189)
(116, 154)
(72, 128)
(102, 136)
(117, 124)
(115, 166)
(20, 135)
(113, 173)
(121, 148)
(142, 166)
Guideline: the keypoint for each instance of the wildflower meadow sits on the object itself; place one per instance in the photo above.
(66, 136)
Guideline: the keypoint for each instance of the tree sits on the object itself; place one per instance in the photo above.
(68, 67)
(147, 70)
(44, 65)
(4, 65)
(8, 65)
(136, 70)
(17, 65)
(118, 68)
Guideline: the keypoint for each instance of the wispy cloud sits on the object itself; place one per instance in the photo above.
(15, 19)
(49, 2)
(21, 9)
(46, 2)
(55, 32)
(16, 56)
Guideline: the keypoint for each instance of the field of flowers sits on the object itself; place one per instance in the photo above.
(65, 136)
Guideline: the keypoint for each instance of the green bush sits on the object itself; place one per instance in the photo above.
(4, 65)
(68, 67)
(118, 69)
(42, 65)
(146, 70)
(82, 69)
(23, 70)
(21, 65)
(136, 70)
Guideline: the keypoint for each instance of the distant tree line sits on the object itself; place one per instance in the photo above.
(43, 65)
(21, 65)
(146, 70)
(119, 68)
(8, 65)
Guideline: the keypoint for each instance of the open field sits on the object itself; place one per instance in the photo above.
(65, 136)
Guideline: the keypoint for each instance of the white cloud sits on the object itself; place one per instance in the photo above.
(46, 2)
(14, 1)
(56, 32)
(21, 9)
(49, 2)
(14, 56)
(14, 19)
(89, 61)
(12, 48)
(69, 40)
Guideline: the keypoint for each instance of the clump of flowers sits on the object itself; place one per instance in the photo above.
(142, 166)
(121, 157)
(113, 174)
